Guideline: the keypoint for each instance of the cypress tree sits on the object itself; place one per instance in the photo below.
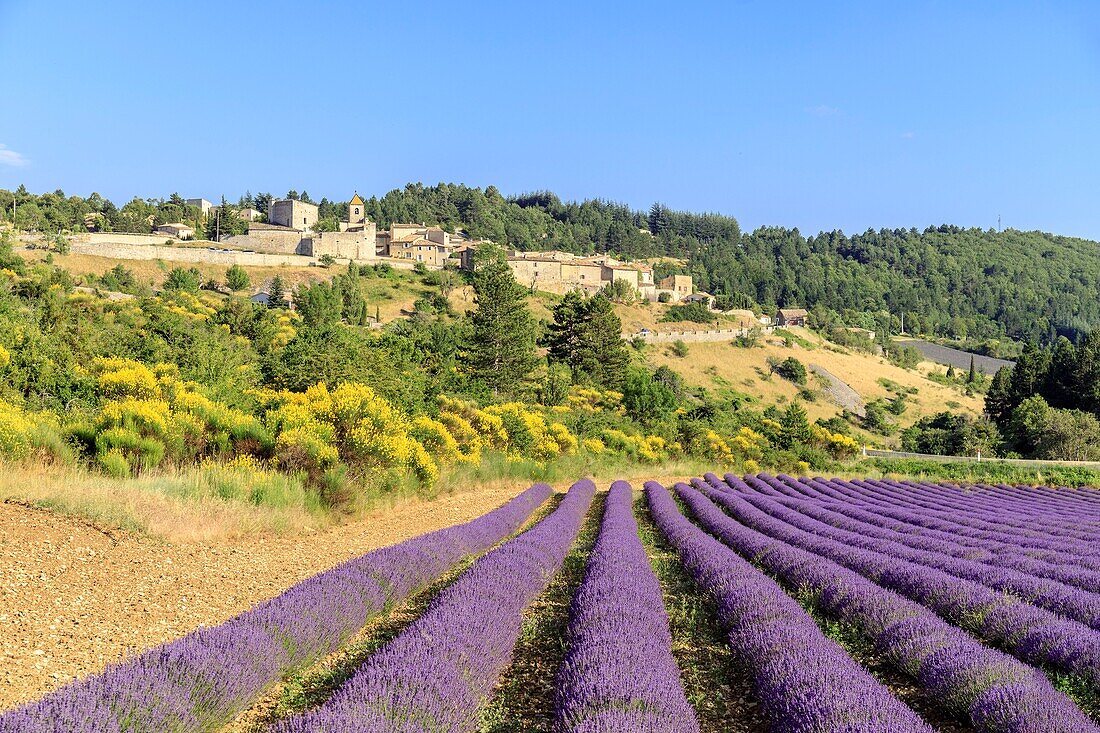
(998, 400)
(501, 350)
(972, 375)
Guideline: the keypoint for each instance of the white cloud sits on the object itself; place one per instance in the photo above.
(823, 110)
(10, 157)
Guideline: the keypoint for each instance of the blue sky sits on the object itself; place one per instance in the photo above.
(816, 115)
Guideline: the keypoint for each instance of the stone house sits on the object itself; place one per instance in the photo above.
(177, 230)
(201, 204)
(791, 317)
(678, 287)
(705, 298)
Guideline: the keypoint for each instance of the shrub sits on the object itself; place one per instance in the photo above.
(679, 348)
(114, 464)
(790, 369)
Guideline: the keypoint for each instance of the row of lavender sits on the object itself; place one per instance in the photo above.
(887, 579)
(993, 690)
(436, 674)
(1038, 620)
(202, 680)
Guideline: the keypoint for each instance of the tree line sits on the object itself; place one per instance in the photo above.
(969, 284)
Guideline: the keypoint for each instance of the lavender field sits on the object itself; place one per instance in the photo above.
(724, 604)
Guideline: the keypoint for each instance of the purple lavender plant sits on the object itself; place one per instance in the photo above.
(804, 681)
(437, 674)
(619, 675)
(202, 680)
(988, 686)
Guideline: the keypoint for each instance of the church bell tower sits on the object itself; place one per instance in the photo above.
(357, 212)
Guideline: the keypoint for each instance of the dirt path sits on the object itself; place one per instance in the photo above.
(74, 598)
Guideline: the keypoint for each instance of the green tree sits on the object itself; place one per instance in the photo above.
(236, 278)
(181, 279)
(999, 399)
(646, 399)
(276, 293)
(318, 304)
(587, 335)
(972, 375)
(501, 349)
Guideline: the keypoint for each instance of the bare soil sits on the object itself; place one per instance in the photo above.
(75, 598)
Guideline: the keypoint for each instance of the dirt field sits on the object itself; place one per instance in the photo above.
(74, 598)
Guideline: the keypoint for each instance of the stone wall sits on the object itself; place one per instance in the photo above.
(714, 334)
(187, 254)
(271, 241)
(358, 246)
(118, 238)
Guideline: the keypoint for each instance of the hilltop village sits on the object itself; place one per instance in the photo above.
(289, 231)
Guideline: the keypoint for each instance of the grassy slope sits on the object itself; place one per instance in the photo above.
(721, 366)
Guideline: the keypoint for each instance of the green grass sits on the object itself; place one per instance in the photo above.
(715, 682)
(524, 698)
(1084, 695)
(991, 471)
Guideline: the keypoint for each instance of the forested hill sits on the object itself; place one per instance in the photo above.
(949, 281)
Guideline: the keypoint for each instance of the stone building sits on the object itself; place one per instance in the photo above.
(201, 204)
(292, 214)
(558, 271)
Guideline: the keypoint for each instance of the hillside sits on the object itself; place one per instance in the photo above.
(739, 371)
(948, 281)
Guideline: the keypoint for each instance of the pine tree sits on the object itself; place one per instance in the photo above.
(972, 376)
(277, 293)
(501, 350)
(603, 355)
(587, 335)
(564, 331)
(236, 278)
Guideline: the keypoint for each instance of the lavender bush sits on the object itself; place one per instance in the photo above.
(201, 680)
(618, 675)
(804, 681)
(437, 674)
(995, 691)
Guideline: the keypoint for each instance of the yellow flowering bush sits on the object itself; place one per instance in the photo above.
(17, 429)
(651, 448)
(147, 417)
(437, 439)
(838, 445)
(593, 445)
(748, 443)
(117, 377)
(302, 448)
(318, 427)
(488, 426)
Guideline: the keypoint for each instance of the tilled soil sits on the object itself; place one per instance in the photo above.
(74, 598)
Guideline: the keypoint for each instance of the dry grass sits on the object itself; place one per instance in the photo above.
(179, 506)
(153, 272)
(720, 365)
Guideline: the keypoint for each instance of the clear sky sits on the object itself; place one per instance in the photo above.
(819, 115)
